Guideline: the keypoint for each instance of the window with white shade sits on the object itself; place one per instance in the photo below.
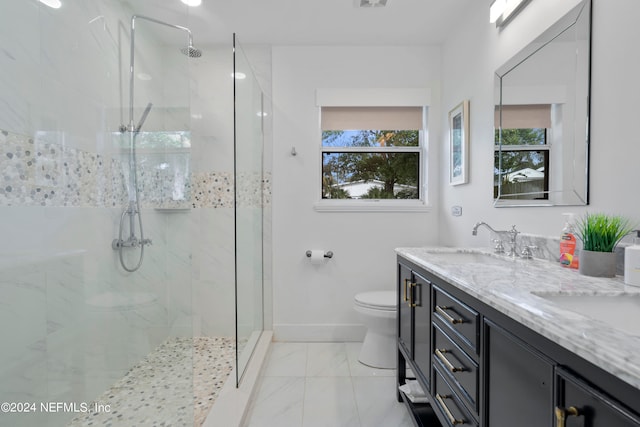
(373, 153)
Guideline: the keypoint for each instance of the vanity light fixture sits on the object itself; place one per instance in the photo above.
(502, 11)
(55, 4)
(192, 3)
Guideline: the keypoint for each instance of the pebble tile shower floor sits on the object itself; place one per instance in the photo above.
(175, 385)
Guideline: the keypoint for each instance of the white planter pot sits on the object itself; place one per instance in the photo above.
(597, 264)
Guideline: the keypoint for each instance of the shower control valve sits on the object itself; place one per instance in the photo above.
(116, 244)
(131, 242)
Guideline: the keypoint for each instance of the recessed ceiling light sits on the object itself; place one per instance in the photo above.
(239, 76)
(56, 4)
(192, 2)
(372, 3)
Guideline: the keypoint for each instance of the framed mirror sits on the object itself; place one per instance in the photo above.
(541, 155)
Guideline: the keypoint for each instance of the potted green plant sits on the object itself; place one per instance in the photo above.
(600, 234)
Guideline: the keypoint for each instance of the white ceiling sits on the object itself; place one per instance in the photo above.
(311, 22)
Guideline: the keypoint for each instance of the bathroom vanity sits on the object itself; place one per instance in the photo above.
(492, 342)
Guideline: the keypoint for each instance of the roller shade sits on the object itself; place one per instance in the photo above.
(371, 118)
(524, 116)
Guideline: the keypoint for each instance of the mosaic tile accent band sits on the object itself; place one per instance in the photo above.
(42, 171)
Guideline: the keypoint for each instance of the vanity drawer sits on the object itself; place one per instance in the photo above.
(459, 367)
(449, 403)
(463, 320)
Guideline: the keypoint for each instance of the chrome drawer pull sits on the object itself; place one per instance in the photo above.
(446, 410)
(447, 316)
(447, 363)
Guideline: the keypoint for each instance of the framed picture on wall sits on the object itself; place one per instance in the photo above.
(459, 144)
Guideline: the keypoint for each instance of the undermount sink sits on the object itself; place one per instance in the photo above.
(620, 311)
(457, 258)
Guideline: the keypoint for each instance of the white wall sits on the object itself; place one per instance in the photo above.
(315, 302)
(469, 60)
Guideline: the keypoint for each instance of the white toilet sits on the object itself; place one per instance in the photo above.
(378, 313)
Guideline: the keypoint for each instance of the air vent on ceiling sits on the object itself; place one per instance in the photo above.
(372, 3)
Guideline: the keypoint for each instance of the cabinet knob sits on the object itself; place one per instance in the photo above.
(562, 414)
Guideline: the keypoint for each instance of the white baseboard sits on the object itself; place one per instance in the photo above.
(319, 332)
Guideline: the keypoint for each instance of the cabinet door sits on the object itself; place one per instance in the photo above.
(518, 383)
(422, 326)
(404, 309)
(580, 405)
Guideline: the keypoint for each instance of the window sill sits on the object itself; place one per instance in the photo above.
(370, 206)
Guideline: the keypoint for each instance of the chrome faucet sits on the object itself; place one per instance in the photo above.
(513, 235)
(478, 224)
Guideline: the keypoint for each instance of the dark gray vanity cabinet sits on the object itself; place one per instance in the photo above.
(581, 405)
(456, 337)
(519, 381)
(405, 312)
(414, 321)
(414, 340)
(481, 368)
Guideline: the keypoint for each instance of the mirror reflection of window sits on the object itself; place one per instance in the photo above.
(521, 169)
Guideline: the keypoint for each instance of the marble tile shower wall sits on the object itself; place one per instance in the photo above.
(41, 363)
(41, 171)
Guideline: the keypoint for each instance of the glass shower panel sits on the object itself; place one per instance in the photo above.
(249, 117)
(75, 327)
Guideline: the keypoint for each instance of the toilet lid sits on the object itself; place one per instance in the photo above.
(381, 300)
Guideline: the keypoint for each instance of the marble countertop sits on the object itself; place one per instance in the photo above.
(515, 287)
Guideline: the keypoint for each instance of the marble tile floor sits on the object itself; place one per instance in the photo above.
(324, 385)
(175, 385)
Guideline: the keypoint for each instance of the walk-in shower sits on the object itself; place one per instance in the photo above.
(133, 209)
(156, 346)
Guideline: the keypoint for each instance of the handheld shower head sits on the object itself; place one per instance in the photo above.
(191, 51)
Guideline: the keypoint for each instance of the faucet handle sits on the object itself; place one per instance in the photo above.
(527, 251)
(499, 247)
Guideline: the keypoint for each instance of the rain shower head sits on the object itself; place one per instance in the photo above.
(191, 51)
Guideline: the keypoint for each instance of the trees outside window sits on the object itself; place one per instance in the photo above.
(370, 164)
(372, 153)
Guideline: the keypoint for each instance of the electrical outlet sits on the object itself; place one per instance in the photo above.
(456, 210)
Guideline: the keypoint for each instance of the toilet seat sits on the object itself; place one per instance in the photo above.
(377, 300)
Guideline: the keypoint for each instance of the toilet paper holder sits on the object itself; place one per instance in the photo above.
(327, 254)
